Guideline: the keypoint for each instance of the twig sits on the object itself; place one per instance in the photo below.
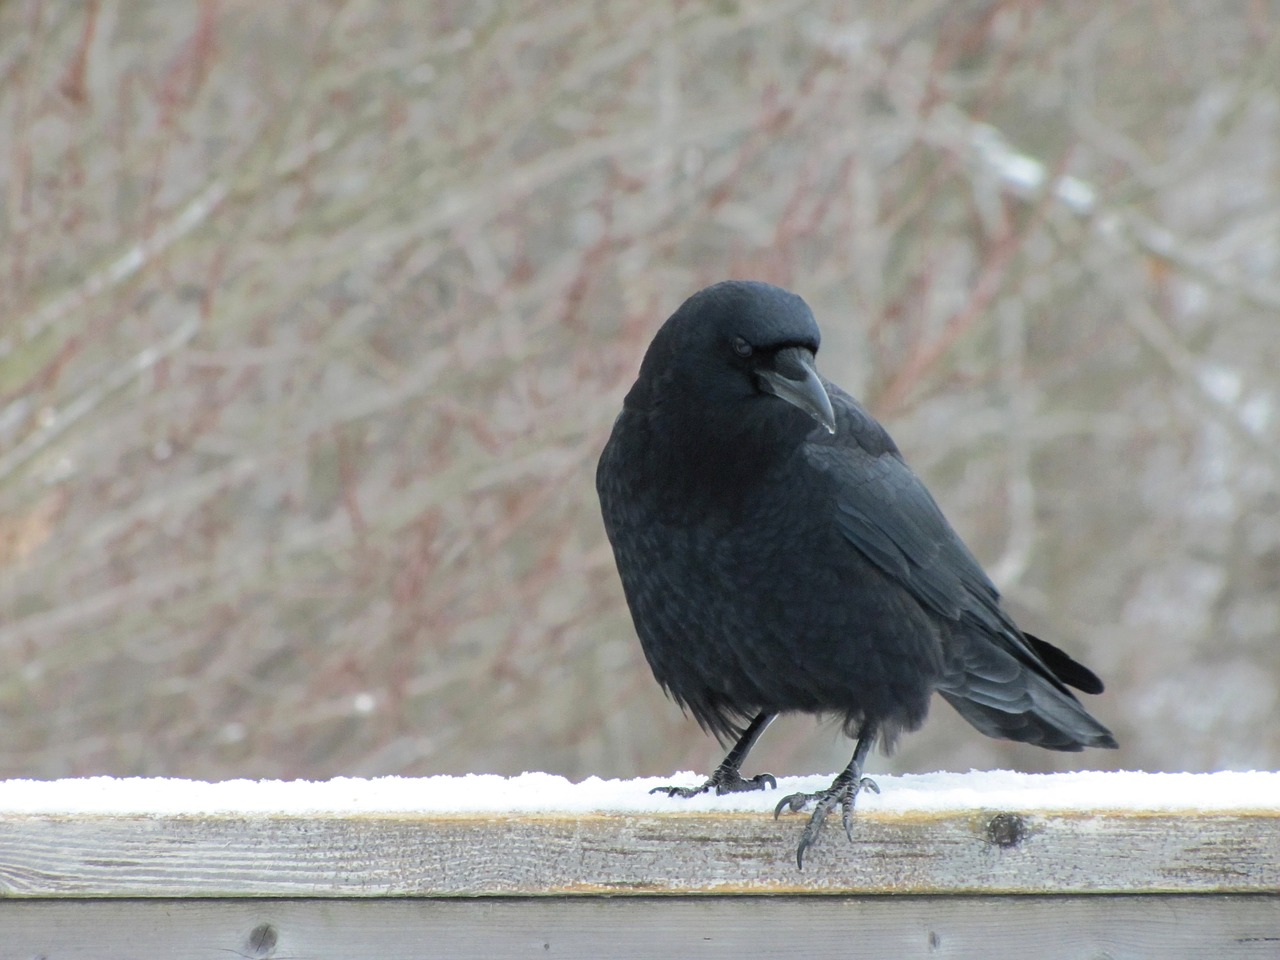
(54, 425)
(195, 212)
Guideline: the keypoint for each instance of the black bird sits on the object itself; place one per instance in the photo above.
(778, 555)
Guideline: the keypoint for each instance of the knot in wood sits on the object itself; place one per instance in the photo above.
(1006, 830)
(261, 942)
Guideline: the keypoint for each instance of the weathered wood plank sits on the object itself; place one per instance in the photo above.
(529, 854)
(991, 928)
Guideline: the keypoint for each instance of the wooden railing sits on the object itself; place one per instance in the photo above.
(980, 881)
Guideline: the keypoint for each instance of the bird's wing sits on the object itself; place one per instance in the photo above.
(883, 509)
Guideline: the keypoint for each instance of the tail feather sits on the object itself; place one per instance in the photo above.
(1069, 730)
(1064, 668)
(1017, 698)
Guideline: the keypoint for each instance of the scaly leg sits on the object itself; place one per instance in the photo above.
(844, 791)
(728, 778)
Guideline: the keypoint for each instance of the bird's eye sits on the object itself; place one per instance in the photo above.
(741, 347)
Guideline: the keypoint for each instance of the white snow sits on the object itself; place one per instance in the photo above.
(1027, 174)
(1229, 792)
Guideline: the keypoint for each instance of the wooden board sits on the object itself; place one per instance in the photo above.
(511, 855)
(813, 928)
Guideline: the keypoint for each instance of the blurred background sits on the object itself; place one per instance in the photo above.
(314, 317)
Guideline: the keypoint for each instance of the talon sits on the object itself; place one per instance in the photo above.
(812, 830)
(685, 792)
(793, 802)
(805, 843)
(722, 782)
(726, 783)
(844, 791)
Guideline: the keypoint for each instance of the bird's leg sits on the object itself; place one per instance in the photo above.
(728, 778)
(844, 791)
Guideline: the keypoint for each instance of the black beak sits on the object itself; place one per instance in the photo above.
(793, 377)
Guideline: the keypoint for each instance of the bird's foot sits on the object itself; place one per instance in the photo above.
(843, 791)
(721, 782)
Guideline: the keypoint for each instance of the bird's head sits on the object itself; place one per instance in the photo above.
(734, 350)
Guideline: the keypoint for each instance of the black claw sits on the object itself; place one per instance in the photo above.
(722, 782)
(685, 792)
(793, 802)
(844, 791)
(736, 784)
(804, 845)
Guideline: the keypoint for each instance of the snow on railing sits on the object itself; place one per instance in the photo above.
(200, 863)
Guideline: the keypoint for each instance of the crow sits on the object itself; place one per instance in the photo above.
(778, 555)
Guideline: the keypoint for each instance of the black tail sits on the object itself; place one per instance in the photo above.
(1064, 668)
(1012, 698)
(1067, 730)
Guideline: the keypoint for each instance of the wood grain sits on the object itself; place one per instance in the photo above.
(1237, 927)
(977, 852)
